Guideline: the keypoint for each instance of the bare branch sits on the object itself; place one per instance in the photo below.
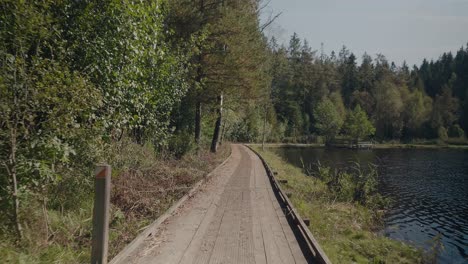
(269, 22)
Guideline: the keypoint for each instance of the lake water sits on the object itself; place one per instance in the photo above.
(429, 189)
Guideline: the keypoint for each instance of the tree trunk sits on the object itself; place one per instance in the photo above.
(14, 183)
(223, 131)
(217, 130)
(46, 220)
(12, 166)
(198, 122)
(264, 129)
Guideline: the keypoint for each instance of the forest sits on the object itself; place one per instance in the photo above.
(329, 95)
(83, 82)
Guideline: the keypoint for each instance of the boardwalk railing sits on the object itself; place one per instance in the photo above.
(314, 246)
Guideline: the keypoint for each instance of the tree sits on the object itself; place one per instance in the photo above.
(349, 73)
(365, 74)
(357, 124)
(47, 110)
(444, 112)
(328, 120)
(388, 110)
(75, 75)
(240, 69)
(402, 103)
(417, 111)
(230, 59)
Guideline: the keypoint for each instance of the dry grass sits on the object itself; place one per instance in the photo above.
(144, 185)
(140, 196)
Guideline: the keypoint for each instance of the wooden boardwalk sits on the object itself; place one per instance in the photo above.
(234, 218)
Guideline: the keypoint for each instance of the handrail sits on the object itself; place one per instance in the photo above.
(314, 246)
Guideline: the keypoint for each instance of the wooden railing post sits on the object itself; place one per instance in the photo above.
(100, 237)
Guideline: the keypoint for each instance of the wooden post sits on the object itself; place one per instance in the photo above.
(100, 238)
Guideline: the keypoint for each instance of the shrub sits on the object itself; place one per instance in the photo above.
(180, 144)
(442, 133)
(456, 131)
(352, 184)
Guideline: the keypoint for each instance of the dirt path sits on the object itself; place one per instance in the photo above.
(234, 218)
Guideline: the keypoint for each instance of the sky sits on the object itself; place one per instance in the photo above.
(402, 30)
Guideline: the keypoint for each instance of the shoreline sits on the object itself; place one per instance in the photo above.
(375, 146)
(348, 232)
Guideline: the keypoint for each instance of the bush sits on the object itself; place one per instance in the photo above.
(180, 144)
(456, 131)
(442, 133)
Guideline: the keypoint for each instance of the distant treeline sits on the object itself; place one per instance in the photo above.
(402, 103)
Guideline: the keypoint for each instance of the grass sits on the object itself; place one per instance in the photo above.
(144, 186)
(347, 232)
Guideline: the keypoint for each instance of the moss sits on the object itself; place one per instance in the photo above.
(346, 231)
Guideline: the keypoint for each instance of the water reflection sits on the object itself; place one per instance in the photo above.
(429, 189)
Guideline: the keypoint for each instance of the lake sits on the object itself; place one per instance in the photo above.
(428, 187)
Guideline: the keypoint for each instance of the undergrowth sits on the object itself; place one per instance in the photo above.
(145, 183)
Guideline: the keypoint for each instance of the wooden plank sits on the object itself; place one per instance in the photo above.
(226, 246)
(203, 240)
(271, 249)
(246, 250)
(280, 240)
(259, 245)
(206, 244)
(319, 254)
(296, 251)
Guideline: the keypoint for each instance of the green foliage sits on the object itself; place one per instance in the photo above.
(401, 103)
(445, 109)
(357, 124)
(442, 133)
(353, 184)
(417, 112)
(123, 48)
(388, 110)
(180, 144)
(76, 76)
(328, 119)
(47, 109)
(456, 131)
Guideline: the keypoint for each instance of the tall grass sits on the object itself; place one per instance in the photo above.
(351, 184)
